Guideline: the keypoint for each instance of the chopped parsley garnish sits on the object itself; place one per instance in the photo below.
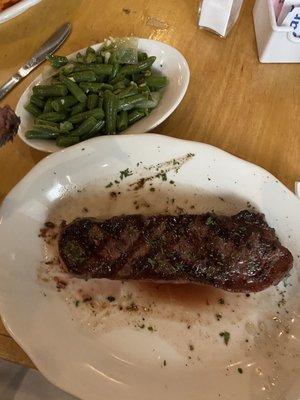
(226, 336)
(165, 363)
(109, 185)
(125, 173)
(117, 182)
(221, 301)
(77, 303)
(191, 347)
(151, 261)
(172, 182)
(210, 221)
(218, 316)
(162, 175)
(111, 299)
(150, 328)
(152, 189)
(132, 307)
(240, 370)
(141, 326)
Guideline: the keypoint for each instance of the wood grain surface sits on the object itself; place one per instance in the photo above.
(249, 109)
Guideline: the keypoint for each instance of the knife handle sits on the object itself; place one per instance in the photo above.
(9, 84)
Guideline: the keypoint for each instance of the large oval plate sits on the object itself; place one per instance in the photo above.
(183, 356)
(169, 62)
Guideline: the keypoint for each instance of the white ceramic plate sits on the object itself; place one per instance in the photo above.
(169, 61)
(17, 9)
(109, 354)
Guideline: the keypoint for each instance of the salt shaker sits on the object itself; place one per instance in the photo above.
(219, 16)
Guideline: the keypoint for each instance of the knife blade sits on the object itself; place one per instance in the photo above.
(49, 47)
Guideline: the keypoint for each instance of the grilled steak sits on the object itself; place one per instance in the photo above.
(240, 253)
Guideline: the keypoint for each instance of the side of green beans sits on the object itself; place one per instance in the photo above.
(97, 93)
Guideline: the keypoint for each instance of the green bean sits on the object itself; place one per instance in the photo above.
(66, 69)
(122, 120)
(156, 81)
(119, 86)
(100, 101)
(37, 101)
(94, 87)
(63, 103)
(53, 116)
(142, 56)
(97, 128)
(39, 121)
(97, 113)
(48, 105)
(65, 141)
(92, 101)
(50, 90)
(34, 110)
(114, 71)
(57, 61)
(134, 116)
(80, 58)
(84, 76)
(103, 69)
(128, 103)
(110, 104)
(66, 126)
(74, 89)
(90, 55)
(119, 78)
(138, 78)
(45, 128)
(85, 127)
(134, 68)
(129, 91)
(90, 50)
(41, 134)
(78, 108)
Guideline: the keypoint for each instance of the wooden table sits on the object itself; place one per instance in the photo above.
(250, 109)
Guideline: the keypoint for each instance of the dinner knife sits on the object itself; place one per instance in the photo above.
(49, 47)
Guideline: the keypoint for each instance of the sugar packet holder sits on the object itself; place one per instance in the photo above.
(276, 43)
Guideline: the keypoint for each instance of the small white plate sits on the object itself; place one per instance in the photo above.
(169, 61)
(16, 9)
(110, 356)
